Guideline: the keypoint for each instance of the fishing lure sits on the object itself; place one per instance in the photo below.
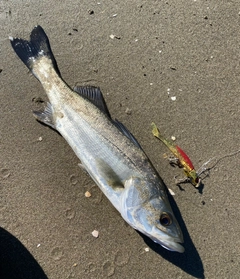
(181, 158)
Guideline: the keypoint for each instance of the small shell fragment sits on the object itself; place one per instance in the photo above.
(146, 249)
(115, 37)
(173, 98)
(171, 192)
(128, 111)
(88, 194)
(165, 156)
(173, 138)
(95, 233)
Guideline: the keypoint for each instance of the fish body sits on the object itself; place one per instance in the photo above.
(182, 158)
(107, 150)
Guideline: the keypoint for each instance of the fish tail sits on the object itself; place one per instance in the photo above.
(37, 47)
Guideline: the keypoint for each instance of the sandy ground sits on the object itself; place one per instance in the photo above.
(161, 49)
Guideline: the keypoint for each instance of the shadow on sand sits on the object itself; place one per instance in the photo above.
(16, 262)
(189, 261)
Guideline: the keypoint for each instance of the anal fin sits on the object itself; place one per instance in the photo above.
(45, 116)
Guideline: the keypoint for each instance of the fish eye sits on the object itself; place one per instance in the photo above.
(165, 219)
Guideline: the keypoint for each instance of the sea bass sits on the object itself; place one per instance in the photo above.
(107, 150)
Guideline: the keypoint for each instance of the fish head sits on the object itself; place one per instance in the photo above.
(147, 209)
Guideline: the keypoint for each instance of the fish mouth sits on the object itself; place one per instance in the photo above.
(171, 244)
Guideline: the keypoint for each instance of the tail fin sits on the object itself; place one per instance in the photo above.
(37, 47)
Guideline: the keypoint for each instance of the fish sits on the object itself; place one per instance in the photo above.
(181, 158)
(109, 153)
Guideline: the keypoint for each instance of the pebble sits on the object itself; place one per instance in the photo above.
(88, 194)
(95, 233)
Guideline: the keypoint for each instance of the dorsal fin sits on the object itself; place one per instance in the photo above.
(126, 132)
(94, 95)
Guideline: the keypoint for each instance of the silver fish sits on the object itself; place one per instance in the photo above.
(107, 150)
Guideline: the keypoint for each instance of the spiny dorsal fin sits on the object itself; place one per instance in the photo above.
(94, 95)
(126, 132)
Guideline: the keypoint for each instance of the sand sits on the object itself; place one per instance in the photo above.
(172, 62)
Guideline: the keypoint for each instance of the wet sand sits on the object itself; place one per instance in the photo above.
(174, 63)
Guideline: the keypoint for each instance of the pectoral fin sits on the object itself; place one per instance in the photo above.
(108, 174)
